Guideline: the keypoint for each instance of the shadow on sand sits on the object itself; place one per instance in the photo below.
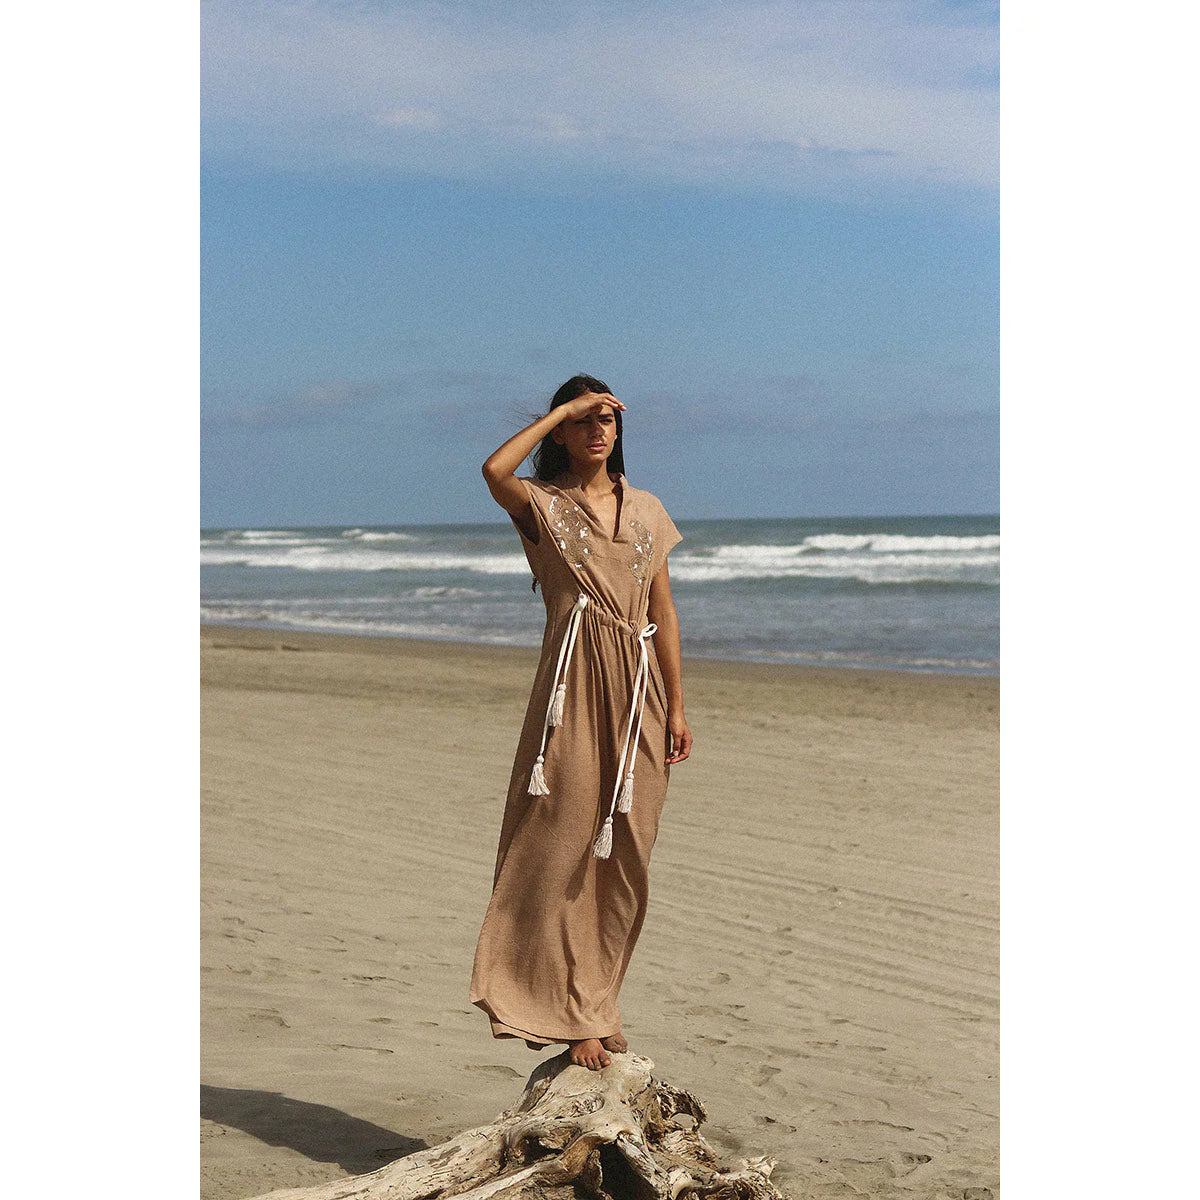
(318, 1132)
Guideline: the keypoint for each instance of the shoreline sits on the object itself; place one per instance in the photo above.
(211, 628)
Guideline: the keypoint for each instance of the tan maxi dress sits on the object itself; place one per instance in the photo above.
(562, 922)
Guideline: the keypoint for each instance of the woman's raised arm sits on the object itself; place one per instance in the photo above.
(500, 468)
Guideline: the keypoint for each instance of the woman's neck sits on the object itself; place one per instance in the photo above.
(594, 479)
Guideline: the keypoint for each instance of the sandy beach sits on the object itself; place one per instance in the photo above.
(819, 962)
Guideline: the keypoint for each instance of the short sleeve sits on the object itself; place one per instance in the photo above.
(533, 550)
(669, 536)
(666, 536)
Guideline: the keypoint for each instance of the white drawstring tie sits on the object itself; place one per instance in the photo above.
(622, 800)
(558, 693)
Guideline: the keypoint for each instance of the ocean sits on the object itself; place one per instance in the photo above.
(906, 593)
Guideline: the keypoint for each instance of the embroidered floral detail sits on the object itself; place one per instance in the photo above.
(571, 530)
(642, 550)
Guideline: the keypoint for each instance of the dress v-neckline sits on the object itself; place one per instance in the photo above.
(575, 484)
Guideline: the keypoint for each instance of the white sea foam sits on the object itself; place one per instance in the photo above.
(868, 573)
(279, 541)
(258, 538)
(237, 612)
(821, 596)
(442, 593)
(378, 535)
(891, 543)
(868, 661)
(861, 558)
(312, 556)
(325, 622)
(796, 561)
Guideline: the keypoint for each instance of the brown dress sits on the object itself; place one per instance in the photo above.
(562, 922)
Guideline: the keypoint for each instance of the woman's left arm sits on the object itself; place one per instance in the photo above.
(661, 610)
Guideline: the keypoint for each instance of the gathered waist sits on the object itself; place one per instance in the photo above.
(604, 616)
(622, 797)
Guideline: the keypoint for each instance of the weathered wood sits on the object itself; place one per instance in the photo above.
(615, 1134)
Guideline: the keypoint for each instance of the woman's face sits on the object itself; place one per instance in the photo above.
(589, 439)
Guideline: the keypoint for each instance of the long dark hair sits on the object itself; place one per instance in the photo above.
(549, 458)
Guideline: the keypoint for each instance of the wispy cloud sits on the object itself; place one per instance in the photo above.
(760, 413)
(436, 397)
(312, 404)
(442, 402)
(789, 95)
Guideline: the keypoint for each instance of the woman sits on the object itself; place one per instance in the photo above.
(604, 725)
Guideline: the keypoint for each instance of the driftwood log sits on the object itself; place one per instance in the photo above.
(618, 1133)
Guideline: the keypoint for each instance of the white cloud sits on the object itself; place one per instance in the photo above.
(320, 401)
(433, 395)
(781, 95)
(411, 118)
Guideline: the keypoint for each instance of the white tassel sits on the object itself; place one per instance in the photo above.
(603, 844)
(625, 799)
(537, 779)
(556, 705)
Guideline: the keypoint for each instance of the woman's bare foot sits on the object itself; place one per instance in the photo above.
(615, 1042)
(589, 1053)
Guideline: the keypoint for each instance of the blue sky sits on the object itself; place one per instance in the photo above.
(772, 229)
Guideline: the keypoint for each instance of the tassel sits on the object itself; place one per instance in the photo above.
(537, 779)
(625, 799)
(603, 844)
(556, 705)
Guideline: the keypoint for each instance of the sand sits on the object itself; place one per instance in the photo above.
(819, 962)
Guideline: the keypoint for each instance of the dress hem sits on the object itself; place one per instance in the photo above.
(505, 1029)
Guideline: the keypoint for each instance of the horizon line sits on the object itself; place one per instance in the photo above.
(677, 520)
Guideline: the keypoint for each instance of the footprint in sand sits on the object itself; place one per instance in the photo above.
(877, 1124)
(780, 1051)
(360, 980)
(775, 1121)
(716, 1010)
(268, 1015)
(498, 1071)
(869, 1177)
(764, 1080)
